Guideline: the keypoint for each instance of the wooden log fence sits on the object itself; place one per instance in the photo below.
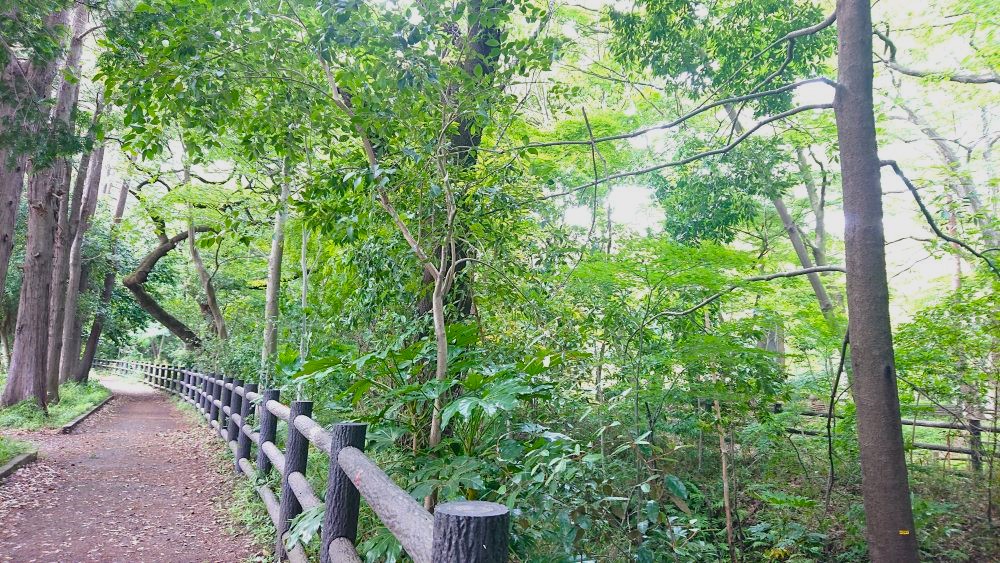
(973, 427)
(457, 532)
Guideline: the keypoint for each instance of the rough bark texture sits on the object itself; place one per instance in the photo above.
(471, 532)
(343, 500)
(825, 305)
(59, 275)
(134, 282)
(94, 338)
(888, 514)
(26, 377)
(79, 225)
(29, 83)
(206, 283)
(66, 103)
(296, 455)
(274, 278)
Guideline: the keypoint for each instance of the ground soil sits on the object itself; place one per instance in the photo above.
(139, 481)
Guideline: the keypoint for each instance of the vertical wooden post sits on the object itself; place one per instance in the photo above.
(242, 438)
(203, 379)
(342, 497)
(296, 454)
(976, 443)
(216, 393)
(471, 532)
(234, 408)
(225, 401)
(268, 429)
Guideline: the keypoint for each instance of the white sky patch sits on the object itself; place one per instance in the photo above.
(632, 207)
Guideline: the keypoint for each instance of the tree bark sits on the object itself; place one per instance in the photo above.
(274, 277)
(30, 83)
(134, 282)
(66, 103)
(206, 283)
(884, 485)
(825, 305)
(79, 225)
(93, 339)
(58, 283)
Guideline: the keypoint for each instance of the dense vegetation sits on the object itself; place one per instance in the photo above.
(593, 261)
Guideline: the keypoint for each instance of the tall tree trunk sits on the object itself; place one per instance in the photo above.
(93, 339)
(65, 107)
(26, 376)
(206, 283)
(58, 283)
(819, 290)
(79, 225)
(30, 83)
(304, 297)
(274, 277)
(884, 485)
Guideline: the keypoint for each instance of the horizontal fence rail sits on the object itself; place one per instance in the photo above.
(457, 532)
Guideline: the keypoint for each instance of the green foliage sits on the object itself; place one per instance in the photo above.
(9, 448)
(74, 400)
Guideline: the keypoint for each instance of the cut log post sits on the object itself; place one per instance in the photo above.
(342, 497)
(225, 401)
(243, 438)
(213, 409)
(471, 532)
(268, 430)
(234, 408)
(296, 454)
(976, 444)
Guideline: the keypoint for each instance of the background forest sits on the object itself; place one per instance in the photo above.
(583, 258)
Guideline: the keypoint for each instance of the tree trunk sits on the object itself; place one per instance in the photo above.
(134, 282)
(93, 339)
(304, 265)
(884, 485)
(26, 377)
(206, 283)
(825, 305)
(33, 80)
(274, 277)
(65, 107)
(58, 284)
(79, 225)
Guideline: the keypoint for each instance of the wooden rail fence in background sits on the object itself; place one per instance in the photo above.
(457, 532)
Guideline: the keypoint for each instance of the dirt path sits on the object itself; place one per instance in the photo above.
(136, 482)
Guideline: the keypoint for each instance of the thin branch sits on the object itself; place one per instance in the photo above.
(829, 420)
(681, 119)
(694, 157)
(768, 277)
(930, 218)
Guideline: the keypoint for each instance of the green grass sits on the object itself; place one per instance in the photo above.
(74, 400)
(10, 448)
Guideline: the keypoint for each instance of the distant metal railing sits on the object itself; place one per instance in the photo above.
(464, 531)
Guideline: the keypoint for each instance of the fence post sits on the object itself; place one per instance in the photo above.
(342, 497)
(268, 430)
(976, 443)
(296, 454)
(234, 408)
(213, 409)
(225, 401)
(242, 438)
(471, 531)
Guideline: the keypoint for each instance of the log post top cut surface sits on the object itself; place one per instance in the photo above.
(472, 509)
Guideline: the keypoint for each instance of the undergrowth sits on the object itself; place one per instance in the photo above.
(74, 400)
(10, 448)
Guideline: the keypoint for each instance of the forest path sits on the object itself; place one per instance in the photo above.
(136, 482)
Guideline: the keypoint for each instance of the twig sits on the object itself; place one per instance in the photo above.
(930, 218)
(829, 420)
